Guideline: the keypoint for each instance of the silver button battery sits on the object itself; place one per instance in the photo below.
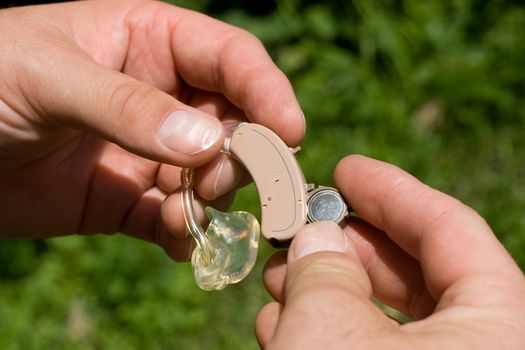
(326, 204)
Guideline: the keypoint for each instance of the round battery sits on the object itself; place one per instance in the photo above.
(326, 204)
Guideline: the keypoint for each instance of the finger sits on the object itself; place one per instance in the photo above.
(218, 177)
(168, 178)
(158, 218)
(396, 277)
(208, 54)
(433, 227)
(178, 249)
(223, 173)
(210, 103)
(215, 56)
(266, 323)
(173, 219)
(327, 291)
(79, 93)
(143, 222)
(117, 180)
(274, 275)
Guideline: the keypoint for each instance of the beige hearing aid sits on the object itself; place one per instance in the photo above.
(227, 250)
(287, 202)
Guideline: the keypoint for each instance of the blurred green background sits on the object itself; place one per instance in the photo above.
(432, 86)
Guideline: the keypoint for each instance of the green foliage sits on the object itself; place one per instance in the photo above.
(434, 87)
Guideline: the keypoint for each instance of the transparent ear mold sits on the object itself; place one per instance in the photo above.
(226, 252)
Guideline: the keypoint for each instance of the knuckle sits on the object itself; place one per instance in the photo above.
(243, 37)
(239, 42)
(447, 211)
(241, 45)
(397, 184)
(126, 100)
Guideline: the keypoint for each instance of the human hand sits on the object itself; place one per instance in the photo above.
(101, 102)
(415, 249)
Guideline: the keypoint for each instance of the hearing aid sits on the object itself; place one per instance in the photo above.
(227, 250)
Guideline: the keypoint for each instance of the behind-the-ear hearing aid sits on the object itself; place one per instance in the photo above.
(227, 250)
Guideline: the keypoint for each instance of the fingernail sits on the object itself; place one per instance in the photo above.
(216, 188)
(229, 175)
(304, 122)
(189, 132)
(319, 237)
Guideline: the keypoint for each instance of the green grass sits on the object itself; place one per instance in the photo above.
(434, 87)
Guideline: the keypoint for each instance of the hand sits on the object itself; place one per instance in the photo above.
(414, 248)
(101, 102)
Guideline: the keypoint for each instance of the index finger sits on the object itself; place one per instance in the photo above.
(158, 43)
(215, 56)
(450, 240)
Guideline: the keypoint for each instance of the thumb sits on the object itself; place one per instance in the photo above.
(141, 118)
(327, 289)
(323, 260)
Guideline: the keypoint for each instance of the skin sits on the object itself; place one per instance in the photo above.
(417, 250)
(84, 90)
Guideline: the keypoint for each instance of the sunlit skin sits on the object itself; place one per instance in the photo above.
(84, 88)
(417, 250)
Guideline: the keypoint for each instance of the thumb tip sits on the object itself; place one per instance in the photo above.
(323, 236)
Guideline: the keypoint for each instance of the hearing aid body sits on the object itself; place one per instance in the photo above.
(277, 176)
(287, 201)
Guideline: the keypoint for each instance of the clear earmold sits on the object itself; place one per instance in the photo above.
(226, 252)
